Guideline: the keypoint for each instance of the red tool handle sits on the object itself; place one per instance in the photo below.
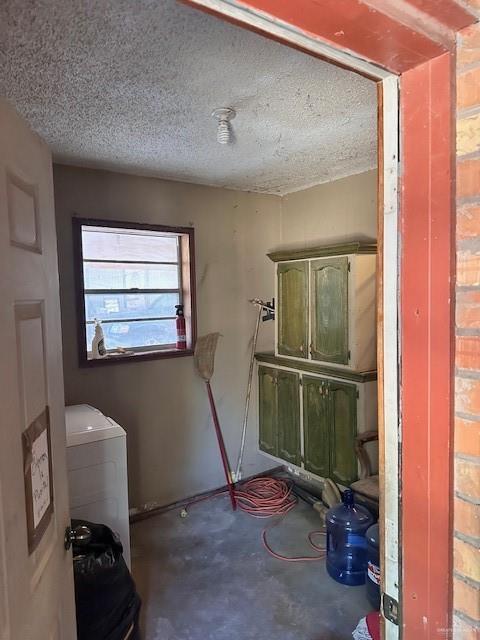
(221, 445)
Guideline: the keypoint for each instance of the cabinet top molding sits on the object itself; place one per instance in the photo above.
(314, 367)
(345, 248)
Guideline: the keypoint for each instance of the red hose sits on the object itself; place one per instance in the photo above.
(279, 556)
(267, 497)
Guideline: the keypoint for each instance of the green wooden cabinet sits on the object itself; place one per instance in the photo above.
(328, 408)
(343, 429)
(267, 397)
(316, 426)
(292, 283)
(329, 309)
(326, 305)
(325, 344)
(288, 416)
(279, 413)
(330, 427)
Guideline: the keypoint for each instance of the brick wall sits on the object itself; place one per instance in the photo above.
(466, 543)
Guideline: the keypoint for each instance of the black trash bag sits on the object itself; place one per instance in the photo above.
(107, 603)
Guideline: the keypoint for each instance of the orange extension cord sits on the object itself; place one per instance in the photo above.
(265, 497)
(268, 497)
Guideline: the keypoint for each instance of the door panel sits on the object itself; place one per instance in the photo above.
(32, 379)
(343, 429)
(288, 411)
(36, 573)
(267, 397)
(293, 308)
(329, 309)
(316, 426)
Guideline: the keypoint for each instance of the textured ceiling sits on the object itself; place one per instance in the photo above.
(130, 85)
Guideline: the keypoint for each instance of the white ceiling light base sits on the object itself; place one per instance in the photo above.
(224, 129)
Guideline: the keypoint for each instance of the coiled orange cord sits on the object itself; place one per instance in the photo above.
(267, 497)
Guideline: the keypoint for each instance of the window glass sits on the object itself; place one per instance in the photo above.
(119, 275)
(126, 306)
(128, 335)
(99, 243)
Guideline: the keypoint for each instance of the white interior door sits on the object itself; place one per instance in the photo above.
(36, 575)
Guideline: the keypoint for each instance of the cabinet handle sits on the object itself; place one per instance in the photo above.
(302, 348)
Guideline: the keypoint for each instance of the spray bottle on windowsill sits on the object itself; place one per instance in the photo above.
(98, 342)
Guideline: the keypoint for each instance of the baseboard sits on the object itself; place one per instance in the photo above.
(149, 511)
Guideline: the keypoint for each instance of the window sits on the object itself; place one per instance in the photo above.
(131, 278)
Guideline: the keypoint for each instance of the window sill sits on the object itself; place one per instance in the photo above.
(138, 356)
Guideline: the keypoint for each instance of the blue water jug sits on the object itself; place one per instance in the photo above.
(346, 542)
(373, 566)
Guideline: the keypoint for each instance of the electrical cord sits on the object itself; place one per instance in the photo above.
(267, 497)
(279, 556)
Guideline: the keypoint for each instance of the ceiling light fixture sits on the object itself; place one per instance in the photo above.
(224, 129)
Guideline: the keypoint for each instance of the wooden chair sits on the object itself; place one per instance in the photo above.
(367, 486)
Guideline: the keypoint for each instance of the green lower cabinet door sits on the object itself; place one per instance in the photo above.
(292, 308)
(288, 411)
(343, 429)
(316, 426)
(267, 397)
(329, 309)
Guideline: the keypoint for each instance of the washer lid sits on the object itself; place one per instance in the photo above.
(86, 424)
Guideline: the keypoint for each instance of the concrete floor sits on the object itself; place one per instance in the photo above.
(208, 577)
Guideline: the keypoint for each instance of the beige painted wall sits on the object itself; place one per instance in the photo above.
(336, 211)
(162, 404)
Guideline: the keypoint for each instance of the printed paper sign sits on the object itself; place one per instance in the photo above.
(40, 478)
(37, 458)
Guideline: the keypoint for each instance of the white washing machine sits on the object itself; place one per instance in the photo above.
(97, 470)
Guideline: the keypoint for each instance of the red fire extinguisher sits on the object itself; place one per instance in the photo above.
(181, 329)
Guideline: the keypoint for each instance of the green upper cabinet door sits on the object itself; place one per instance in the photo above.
(343, 429)
(267, 397)
(316, 426)
(293, 308)
(288, 412)
(329, 309)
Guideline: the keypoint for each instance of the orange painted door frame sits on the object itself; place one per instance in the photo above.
(376, 31)
(426, 335)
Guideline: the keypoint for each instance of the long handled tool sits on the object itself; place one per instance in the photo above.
(238, 469)
(261, 306)
(204, 358)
